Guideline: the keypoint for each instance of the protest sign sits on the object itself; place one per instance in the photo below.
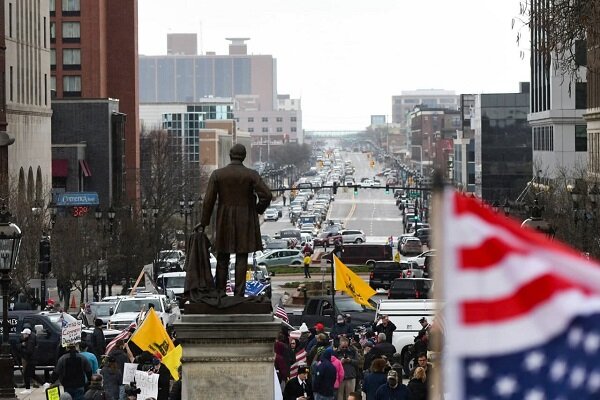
(129, 373)
(71, 333)
(53, 393)
(147, 383)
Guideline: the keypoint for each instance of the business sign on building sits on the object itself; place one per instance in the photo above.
(69, 199)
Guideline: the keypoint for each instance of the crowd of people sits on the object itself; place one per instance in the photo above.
(91, 370)
(342, 365)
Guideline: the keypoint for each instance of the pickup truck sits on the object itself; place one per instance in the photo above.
(384, 273)
(319, 309)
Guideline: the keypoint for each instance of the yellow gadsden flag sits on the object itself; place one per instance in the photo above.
(350, 283)
(152, 336)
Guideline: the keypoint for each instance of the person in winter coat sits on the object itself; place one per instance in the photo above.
(417, 387)
(341, 328)
(337, 363)
(374, 379)
(349, 360)
(72, 370)
(96, 391)
(98, 341)
(282, 365)
(394, 389)
(324, 377)
(112, 378)
(28, 350)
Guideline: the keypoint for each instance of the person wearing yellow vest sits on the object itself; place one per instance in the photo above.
(307, 261)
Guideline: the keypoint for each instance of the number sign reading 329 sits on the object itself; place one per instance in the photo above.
(79, 211)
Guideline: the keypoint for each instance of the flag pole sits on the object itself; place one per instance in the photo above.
(437, 214)
(333, 317)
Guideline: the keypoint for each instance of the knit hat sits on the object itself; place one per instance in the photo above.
(303, 328)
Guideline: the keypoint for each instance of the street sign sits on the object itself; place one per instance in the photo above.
(35, 283)
(69, 199)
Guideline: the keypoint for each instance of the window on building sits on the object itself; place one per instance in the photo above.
(265, 119)
(52, 32)
(45, 89)
(71, 32)
(250, 119)
(250, 130)
(10, 19)
(580, 137)
(279, 119)
(52, 58)
(293, 119)
(265, 129)
(45, 38)
(581, 53)
(543, 138)
(72, 86)
(11, 83)
(53, 83)
(293, 129)
(71, 58)
(70, 7)
(279, 129)
(471, 179)
(580, 95)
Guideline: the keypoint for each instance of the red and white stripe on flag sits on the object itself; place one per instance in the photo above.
(280, 313)
(123, 335)
(506, 288)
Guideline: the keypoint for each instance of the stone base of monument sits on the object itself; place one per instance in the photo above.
(227, 356)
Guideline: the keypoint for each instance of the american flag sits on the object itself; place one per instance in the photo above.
(300, 360)
(124, 335)
(522, 314)
(280, 312)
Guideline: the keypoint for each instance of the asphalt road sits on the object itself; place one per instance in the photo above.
(371, 210)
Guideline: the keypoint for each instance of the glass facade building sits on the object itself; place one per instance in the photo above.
(184, 133)
(503, 145)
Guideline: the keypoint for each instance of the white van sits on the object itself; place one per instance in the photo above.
(174, 281)
(405, 314)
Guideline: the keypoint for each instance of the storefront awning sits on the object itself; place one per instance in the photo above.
(60, 168)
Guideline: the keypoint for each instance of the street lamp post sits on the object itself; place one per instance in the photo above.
(10, 241)
(185, 209)
(99, 215)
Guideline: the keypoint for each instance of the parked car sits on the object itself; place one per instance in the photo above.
(411, 246)
(277, 244)
(415, 288)
(271, 214)
(281, 258)
(353, 236)
(97, 310)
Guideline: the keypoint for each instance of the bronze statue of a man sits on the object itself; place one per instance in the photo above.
(237, 228)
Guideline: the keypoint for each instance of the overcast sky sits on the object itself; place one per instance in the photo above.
(346, 58)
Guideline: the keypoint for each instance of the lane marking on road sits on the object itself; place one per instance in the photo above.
(352, 209)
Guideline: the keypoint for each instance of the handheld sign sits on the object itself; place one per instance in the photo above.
(71, 333)
(129, 373)
(53, 393)
(147, 383)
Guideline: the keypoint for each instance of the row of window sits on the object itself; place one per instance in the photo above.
(68, 6)
(266, 119)
(71, 31)
(70, 57)
(278, 129)
(543, 138)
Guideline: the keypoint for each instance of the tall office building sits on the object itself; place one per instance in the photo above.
(95, 56)
(502, 144)
(403, 104)
(189, 78)
(557, 107)
(27, 93)
(185, 44)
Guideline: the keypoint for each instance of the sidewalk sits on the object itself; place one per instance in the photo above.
(36, 394)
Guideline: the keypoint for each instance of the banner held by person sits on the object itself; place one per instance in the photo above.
(350, 283)
(522, 312)
(148, 385)
(129, 373)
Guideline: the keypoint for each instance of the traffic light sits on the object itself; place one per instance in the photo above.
(356, 190)
(372, 163)
(387, 188)
(335, 187)
(44, 265)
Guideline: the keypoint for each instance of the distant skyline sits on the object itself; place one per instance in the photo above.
(346, 59)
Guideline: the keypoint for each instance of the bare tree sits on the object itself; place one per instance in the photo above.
(560, 26)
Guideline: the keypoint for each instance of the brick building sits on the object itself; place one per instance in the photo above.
(94, 56)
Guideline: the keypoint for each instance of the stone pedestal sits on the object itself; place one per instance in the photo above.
(227, 356)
